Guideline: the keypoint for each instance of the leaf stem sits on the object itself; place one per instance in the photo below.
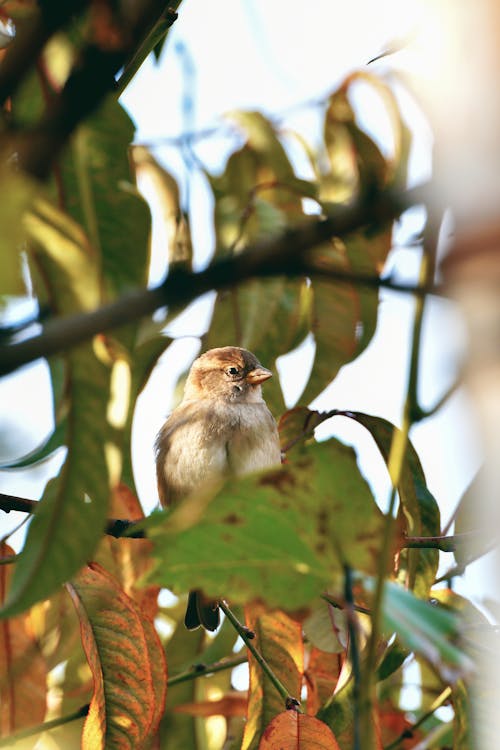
(244, 633)
(44, 727)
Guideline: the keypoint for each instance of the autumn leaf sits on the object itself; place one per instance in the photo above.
(127, 663)
(293, 731)
(23, 670)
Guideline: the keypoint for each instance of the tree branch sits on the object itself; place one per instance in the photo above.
(283, 255)
(93, 76)
(116, 527)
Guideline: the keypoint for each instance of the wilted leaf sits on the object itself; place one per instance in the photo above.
(127, 663)
(293, 731)
(23, 671)
(279, 641)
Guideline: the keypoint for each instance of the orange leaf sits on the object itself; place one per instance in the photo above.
(232, 704)
(23, 671)
(279, 640)
(129, 559)
(127, 663)
(293, 731)
(322, 675)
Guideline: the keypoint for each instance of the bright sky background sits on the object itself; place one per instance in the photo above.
(273, 56)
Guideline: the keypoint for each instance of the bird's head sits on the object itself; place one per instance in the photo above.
(229, 372)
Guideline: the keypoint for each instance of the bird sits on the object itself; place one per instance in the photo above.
(221, 428)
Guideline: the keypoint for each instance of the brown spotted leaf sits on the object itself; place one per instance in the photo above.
(293, 731)
(127, 663)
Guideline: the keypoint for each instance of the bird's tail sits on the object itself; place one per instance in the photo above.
(201, 611)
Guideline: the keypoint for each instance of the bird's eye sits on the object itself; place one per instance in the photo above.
(232, 371)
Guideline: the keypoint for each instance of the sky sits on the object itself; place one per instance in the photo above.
(280, 57)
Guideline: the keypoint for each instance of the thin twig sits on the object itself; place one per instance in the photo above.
(203, 670)
(44, 727)
(243, 632)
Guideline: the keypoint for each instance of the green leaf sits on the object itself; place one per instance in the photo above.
(419, 514)
(18, 192)
(431, 631)
(70, 518)
(99, 195)
(419, 510)
(280, 535)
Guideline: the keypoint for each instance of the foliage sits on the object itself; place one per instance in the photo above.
(335, 596)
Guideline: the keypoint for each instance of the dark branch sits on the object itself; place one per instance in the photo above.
(283, 255)
(115, 527)
(31, 37)
(93, 76)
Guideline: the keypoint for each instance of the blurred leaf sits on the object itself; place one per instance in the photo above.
(78, 497)
(258, 194)
(335, 317)
(469, 519)
(148, 348)
(129, 559)
(281, 534)
(167, 201)
(326, 628)
(426, 629)
(322, 674)
(126, 659)
(393, 659)
(17, 196)
(180, 731)
(232, 704)
(293, 731)
(99, 194)
(46, 450)
(23, 671)
(279, 640)
(67, 258)
(462, 726)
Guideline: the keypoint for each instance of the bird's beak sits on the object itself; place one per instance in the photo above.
(258, 375)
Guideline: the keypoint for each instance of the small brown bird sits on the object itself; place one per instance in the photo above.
(222, 427)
